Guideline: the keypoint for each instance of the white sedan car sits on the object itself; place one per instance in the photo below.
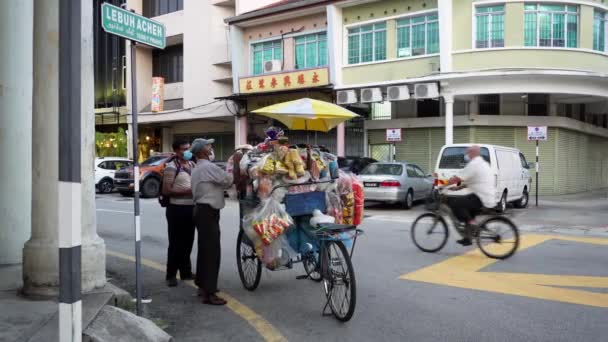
(105, 168)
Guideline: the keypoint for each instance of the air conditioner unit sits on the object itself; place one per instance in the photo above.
(272, 66)
(426, 91)
(371, 95)
(346, 97)
(399, 93)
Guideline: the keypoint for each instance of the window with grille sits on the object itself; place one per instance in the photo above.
(537, 104)
(169, 63)
(551, 25)
(418, 35)
(264, 52)
(569, 110)
(490, 26)
(154, 8)
(427, 108)
(367, 43)
(600, 19)
(489, 104)
(311, 50)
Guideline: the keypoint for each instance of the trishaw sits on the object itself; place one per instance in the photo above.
(325, 250)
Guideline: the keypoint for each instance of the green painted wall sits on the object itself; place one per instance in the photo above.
(569, 161)
(383, 9)
(530, 58)
(391, 70)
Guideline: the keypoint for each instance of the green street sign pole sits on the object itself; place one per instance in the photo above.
(138, 29)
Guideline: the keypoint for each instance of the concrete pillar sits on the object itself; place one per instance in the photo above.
(16, 68)
(445, 35)
(340, 144)
(237, 39)
(93, 247)
(240, 130)
(448, 99)
(40, 256)
(335, 43)
(166, 140)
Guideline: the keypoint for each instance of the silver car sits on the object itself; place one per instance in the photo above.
(395, 183)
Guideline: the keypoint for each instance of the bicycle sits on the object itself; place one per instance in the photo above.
(432, 227)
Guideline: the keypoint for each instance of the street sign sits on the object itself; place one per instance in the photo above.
(537, 133)
(393, 134)
(135, 27)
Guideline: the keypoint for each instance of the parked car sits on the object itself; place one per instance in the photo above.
(150, 175)
(509, 167)
(105, 168)
(354, 164)
(395, 183)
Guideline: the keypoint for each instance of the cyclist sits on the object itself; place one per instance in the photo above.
(477, 178)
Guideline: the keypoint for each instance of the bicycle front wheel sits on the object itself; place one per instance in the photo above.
(339, 280)
(247, 262)
(498, 237)
(429, 232)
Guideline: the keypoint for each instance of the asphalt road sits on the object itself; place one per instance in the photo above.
(554, 289)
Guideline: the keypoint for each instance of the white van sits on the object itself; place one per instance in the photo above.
(510, 168)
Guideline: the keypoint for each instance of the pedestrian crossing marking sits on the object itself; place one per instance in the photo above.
(464, 271)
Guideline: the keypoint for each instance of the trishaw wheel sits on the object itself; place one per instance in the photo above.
(250, 267)
(311, 266)
(339, 280)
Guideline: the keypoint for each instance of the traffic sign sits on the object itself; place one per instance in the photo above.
(393, 134)
(537, 133)
(135, 27)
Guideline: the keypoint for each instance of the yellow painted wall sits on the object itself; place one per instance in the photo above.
(383, 9)
(514, 24)
(530, 58)
(462, 23)
(388, 71)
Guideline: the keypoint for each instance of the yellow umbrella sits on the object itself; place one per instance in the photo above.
(307, 114)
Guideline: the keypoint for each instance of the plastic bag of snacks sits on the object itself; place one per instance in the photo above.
(270, 220)
(278, 253)
(345, 183)
(264, 187)
(334, 206)
(359, 200)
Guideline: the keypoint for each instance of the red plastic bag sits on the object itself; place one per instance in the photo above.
(359, 201)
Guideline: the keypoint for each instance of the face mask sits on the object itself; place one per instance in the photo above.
(211, 155)
(187, 155)
(466, 158)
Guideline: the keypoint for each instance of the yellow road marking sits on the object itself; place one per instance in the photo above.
(262, 326)
(463, 271)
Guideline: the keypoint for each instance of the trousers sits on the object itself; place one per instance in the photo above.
(180, 229)
(207, 220)
(465, 207)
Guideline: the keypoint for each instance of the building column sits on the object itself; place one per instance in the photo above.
(40, 257)
(237, 39)
(240, 130)
(340, 145)
(166, 138)
(448, 99)
(16, 34)
(445, 35)
(335, 44)
(93, 247)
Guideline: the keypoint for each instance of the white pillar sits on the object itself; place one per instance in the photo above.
(340, 146)
(93, 247)
(237, 39)
(445, 35)
(16, 68)
(40, 257)
(448, 99)
(240, 130)
(335, 43)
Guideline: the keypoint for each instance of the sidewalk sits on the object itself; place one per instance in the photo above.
(36, 320)
(581, 213)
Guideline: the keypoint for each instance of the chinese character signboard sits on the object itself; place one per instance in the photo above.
(120, 22)
(393, 134)
(308, 78)
(158, 94)
(537, 133)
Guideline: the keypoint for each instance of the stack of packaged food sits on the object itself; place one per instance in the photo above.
(275, 168)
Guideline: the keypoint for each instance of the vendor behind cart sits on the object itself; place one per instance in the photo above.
(209, 182)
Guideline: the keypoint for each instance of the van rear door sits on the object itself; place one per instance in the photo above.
(451, 162)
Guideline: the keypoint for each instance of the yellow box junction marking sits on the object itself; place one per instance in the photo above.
(464, 271)
(263, 327)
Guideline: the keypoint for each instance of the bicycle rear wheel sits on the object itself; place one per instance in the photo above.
(248, 264)
(429, 232)
(498, 237)
(339, 280)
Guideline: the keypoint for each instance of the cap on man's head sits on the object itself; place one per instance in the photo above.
(199, 143)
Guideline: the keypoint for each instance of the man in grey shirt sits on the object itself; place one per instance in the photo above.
(208, 184)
